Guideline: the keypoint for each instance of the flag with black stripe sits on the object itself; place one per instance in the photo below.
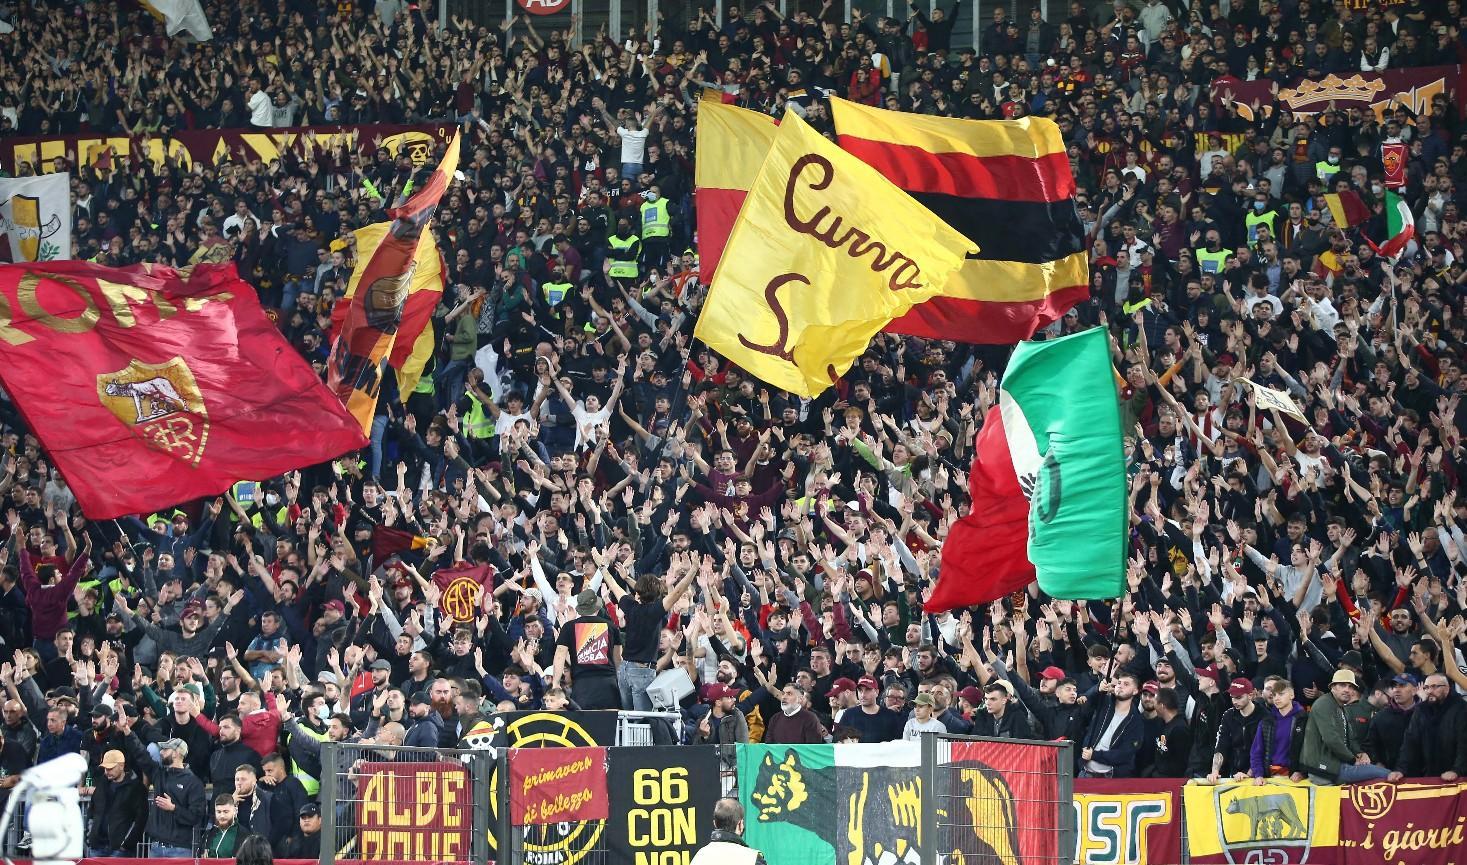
(1007, 186)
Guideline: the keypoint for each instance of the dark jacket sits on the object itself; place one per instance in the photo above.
(1013, 725)
(1235, 739)
(1334, 736)
(176, 828)
(1436, 739)
(228, 758)
(68, 741)
(1386, 733)
(1125, 746)
(300, 846)
(1173, 749)
(425, 732)
(118, 812)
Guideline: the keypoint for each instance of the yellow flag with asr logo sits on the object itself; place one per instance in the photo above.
(825, 252)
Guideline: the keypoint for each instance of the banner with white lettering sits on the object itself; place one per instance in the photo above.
(661, 803)
(35, 218)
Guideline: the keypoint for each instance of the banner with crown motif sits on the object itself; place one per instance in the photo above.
(1374, 93)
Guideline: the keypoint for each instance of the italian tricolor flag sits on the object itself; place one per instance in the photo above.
(1048, 483)
(1400, 226)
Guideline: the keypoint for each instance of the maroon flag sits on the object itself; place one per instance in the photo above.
(461, 587)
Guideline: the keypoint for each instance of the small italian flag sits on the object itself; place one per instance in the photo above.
(1400, 226)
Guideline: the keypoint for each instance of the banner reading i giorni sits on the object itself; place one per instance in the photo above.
(1412, 823)
(413, 812)
(215, 146)
(1127, 822)
(661, 803)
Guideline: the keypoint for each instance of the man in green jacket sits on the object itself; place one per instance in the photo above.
(1333, 748)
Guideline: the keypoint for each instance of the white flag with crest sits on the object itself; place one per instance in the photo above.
(35, 218)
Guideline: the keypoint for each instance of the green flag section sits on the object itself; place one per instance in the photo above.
(1400, 226)
(1048, 483)
(788, 794)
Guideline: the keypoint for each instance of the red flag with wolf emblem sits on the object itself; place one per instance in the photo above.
(148, 387)
(364, 342)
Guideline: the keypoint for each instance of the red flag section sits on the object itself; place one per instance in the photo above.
(149, 387)
(388, 542)
(986, 554)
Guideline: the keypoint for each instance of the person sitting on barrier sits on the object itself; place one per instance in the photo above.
(726, 842)
(1334, 739)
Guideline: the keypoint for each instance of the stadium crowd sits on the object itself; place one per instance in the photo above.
(1296, 596)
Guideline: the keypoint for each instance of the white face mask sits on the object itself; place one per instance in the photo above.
(323, 712)
(272, 499)
(652, 196)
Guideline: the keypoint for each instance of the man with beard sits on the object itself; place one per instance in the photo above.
(441, 695)
(258, 811)
(420, 674)
(795, 724)
(427, 723)
(1387, 730)
(178, 805)
(230, 754)
(1113, 739)
(841, 696)
(1235, 732)
(1436, 738)
(724, 724)
(118, 809)
(1174, 741)
(362, 704)
(103, 736)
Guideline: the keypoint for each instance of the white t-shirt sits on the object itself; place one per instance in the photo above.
(633, 144)
(506, 421)
(586, 423)
(262, 113)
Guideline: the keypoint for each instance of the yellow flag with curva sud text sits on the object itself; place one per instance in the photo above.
(825, 252)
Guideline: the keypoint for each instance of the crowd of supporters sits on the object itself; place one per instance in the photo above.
(1296, 593)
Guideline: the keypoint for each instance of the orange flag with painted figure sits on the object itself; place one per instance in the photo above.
(148, 386)
(414, 342)
(374, 316)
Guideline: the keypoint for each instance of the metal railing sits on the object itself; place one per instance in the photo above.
(985, 800)
(383, 802)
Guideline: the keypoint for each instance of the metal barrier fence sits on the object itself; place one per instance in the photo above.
(985, 800)
(405, 804)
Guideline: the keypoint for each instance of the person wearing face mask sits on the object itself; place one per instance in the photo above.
(1260, 214)
(1326, 168)
(656, 227)
(795, 724)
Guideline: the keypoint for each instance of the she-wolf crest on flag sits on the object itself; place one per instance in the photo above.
(161, 404)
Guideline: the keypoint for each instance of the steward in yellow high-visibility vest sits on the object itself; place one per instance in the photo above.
(625, 248)
(656, 228)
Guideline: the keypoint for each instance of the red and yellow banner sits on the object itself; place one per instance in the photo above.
(149, 386)
(557, 785)
(420, 812)
(1373, 92)
(359, 355)
(462, 589)
(1127, 822)
(217, 146)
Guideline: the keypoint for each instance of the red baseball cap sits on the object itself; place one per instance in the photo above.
(1241, 687)
(842, 685)
(1210, 671)
(1151, 687)
(1052, 672)
(868, 682)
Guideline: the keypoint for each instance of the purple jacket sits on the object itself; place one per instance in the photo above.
(48, 603)
(1279, 740)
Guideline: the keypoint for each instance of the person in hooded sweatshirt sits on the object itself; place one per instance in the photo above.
(1280, 738)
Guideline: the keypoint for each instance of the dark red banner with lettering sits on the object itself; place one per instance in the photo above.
(557, 785)
(216, 146)
(1376, 92)
(419, 812)
(1415, 824)
(1128, 822)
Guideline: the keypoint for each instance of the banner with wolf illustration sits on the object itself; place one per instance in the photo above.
(35, 218)
(863, 804)
(1278, 822)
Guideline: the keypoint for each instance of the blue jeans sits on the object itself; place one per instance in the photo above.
(379, 433)
(1352, 773)
(158, 850)
(109, 853)
(634, 680)
(449, 382)
(631, 169)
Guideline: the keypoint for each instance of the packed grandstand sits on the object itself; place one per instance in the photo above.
(1294, 598)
